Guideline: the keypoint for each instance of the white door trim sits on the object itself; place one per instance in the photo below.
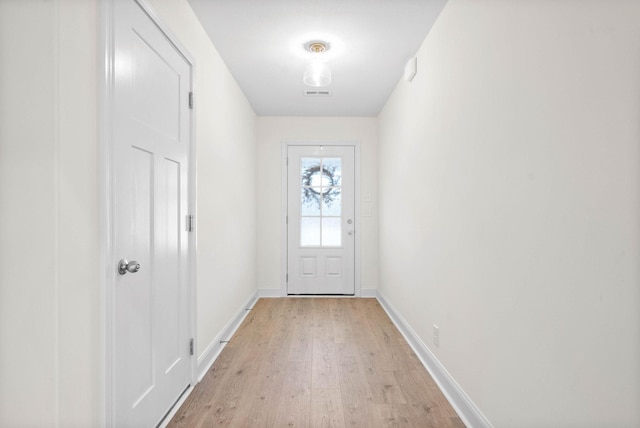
(106, 79)
(284, 249)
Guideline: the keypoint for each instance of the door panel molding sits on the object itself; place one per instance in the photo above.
(284, 251)
(106, 88)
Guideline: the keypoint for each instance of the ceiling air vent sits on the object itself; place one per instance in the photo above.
(317, 93)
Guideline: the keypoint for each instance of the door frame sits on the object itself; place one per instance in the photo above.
(108, 260)
(284, 247)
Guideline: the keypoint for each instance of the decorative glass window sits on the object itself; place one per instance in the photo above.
(321, 202)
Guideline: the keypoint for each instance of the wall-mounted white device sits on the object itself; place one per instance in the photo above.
(410, 69)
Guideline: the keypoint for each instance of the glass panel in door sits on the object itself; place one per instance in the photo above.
(320, 203)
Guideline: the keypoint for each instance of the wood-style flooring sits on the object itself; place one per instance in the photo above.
(316, 362)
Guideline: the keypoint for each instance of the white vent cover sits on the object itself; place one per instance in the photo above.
(317, 93)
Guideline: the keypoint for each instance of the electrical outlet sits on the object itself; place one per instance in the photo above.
(436, 336)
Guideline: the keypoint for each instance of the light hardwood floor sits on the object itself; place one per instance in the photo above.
(317, 362)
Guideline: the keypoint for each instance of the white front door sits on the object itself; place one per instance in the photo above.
(150, 164)
(321, 220)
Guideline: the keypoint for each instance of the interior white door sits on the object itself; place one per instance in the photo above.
(321, 220)
(150, 163)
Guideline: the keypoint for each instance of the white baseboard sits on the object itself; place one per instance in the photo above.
(462, 404)
(269, 292)
(368, 292)
(209, 355)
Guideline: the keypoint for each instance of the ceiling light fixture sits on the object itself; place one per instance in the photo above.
(317, 72)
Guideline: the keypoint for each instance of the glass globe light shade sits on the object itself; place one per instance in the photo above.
(317, 73)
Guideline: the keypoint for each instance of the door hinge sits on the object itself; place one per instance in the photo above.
(287, 280)
(191, 350)
(287, 220)
(190, 223)
(190, 100)
(287, 161)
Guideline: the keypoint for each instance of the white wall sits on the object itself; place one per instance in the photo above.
(80, 337)
(227, 194)
(510, 207)
(28, 297)
(51, 329)
(272, 132)
(50, 358)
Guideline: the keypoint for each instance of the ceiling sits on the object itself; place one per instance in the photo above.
(262, 43)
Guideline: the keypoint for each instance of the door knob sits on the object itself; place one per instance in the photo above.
(125, 266)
